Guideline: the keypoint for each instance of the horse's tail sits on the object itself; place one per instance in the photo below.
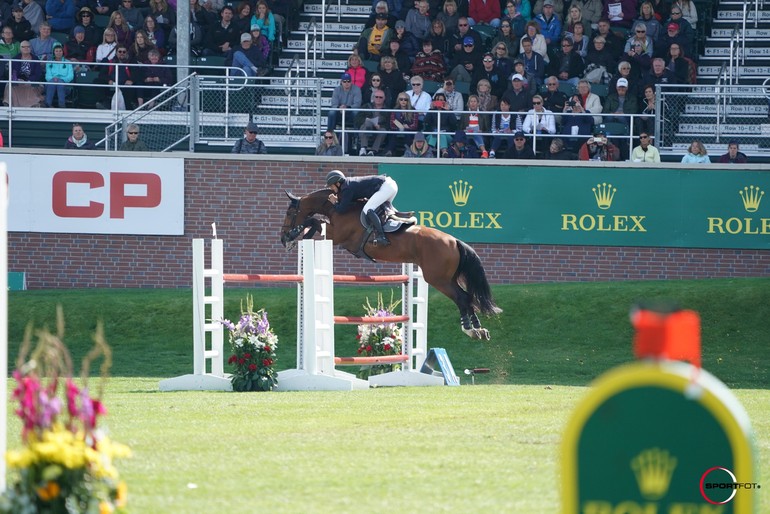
(472, 273)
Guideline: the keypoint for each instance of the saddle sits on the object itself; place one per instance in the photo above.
(392, 220)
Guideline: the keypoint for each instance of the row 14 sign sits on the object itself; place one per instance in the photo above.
(95, 195)
(589, 206)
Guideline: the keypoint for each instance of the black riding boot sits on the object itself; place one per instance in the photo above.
(380, 239)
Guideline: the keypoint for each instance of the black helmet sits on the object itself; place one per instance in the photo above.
(333, 177)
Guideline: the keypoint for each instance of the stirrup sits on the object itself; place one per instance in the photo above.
(381, 241)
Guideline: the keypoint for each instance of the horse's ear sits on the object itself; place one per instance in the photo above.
(291, 196)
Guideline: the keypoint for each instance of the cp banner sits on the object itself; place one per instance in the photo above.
(95, 195)
(589, 206)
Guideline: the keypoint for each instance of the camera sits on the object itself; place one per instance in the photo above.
(571, 103)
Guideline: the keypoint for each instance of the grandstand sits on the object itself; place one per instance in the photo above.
(207, 112)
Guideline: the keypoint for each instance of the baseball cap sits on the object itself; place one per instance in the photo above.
(673, 26)
(245, 37)
(345, 76)
(256, 27)
(548, 2)
(419, 136)
(517, 76)
(599, 132)
(381, 16)
(518, 133)
(251, 127)
(622, 82)
(468, 40)
(400, 24)
(79, 30)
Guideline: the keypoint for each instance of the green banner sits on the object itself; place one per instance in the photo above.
(589, 206)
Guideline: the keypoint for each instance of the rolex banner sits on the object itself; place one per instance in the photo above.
(589, 206)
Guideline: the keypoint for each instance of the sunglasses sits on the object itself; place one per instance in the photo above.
(346, 80)
(85, 15)
(487, 60)
(448, 84)
(415, 84)
(122, 51)
(462, 24)
(675, 12)
(468, 45)
(328, 137)
(641, 31)
(403, 99)
(566, 44)
(380, 97)
(505, 26)
(133, 133)
(537, 103)
(552, 84)
(250, 132)
(375, 80)
(644, 137)
(519, 139)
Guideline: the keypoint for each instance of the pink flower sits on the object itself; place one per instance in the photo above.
(247, 356)
(252, 367)
(387, 347)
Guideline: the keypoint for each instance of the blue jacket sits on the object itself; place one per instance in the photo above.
(353, 189)
(551, 29)
(62, 14)
(61, 70)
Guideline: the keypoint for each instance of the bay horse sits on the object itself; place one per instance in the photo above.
(448, 264)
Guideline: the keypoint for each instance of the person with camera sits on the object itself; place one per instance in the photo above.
(575, 122)
(440, 122)
(599, 148)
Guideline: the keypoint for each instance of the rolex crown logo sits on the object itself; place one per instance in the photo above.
(653, 469)
(752, 196)
(461, 190)
(604, 193)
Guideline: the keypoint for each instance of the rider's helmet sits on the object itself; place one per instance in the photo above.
(333, 177)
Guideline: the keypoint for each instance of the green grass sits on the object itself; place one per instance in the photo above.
(492, 447)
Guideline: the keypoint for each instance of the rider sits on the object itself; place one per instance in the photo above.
(375, 189)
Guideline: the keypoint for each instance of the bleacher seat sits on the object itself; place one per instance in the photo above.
(600, 90)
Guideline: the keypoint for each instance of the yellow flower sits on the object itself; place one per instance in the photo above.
(121, 495)
(50, 491)
(20, 459)
(106, 508)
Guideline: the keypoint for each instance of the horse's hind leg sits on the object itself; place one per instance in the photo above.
(469, 322)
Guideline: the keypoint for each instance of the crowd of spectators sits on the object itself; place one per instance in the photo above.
(508, 67)
(62, 38)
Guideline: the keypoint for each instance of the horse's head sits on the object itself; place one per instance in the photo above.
(301, 219)
(291, 230)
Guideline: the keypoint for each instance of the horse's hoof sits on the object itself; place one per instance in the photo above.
(477, 333)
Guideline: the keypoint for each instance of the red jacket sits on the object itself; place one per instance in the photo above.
(484, 11)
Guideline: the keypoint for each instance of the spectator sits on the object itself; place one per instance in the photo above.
(377, 120)
(567, 65)
(487, 101)
(33, 13)
(677, 64)
(93, 34)
(621, 13)
(558, 7)
(557, 152)
(639, 39)
(599, 148)
(502, 55)
(375, 39)
(142, 47)
(517, 13)
(580, 40)
(486, 12)
(439, 38)
(381, 7)
(646, 123)
(345, 96)
(77, 48)
(685, 28)
(131, 14)
(553, 99)
(539, 120)
(418, 20)
(243, 16)
(249, 142)
(57, 74)
(590, 101)
(662, 9)
(123, 33)
(106, 51)
(409, 44)
(503, 125)
(689, 12)
(155, 75)
(659, 74)
(503, 63)
(460, 35)
(467, 63)
(488, 72)
(9, 47)
(671, 37)
(534, 64)
(620, 102)
(440, 122)
(156, 35)
(103, 7)
(392, 79)
(573, 18)
(550, 25)
(645, 152)
(61, 14)
(372, 86)
(453, 99)
(460, 149)
(591, 9)
(126, 77)
(247, 57)
(647, 16)
(538, 41)
(262, 46)
(42, 46)
(132, 142)
(23, 71)
(574, 123)
(22, 29)
(164, 15)
(612, 42)
(419, 149)
(520, 148)
(625, 72)
(223, 36)
(733, 155)
(474, 122)
(518, 98)
(419, 99)
(79, 140)
(696, 154)
(403, 119)
(449, 17)
(429, 63)
(402, 60)
(356, 70)
(330, 145)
